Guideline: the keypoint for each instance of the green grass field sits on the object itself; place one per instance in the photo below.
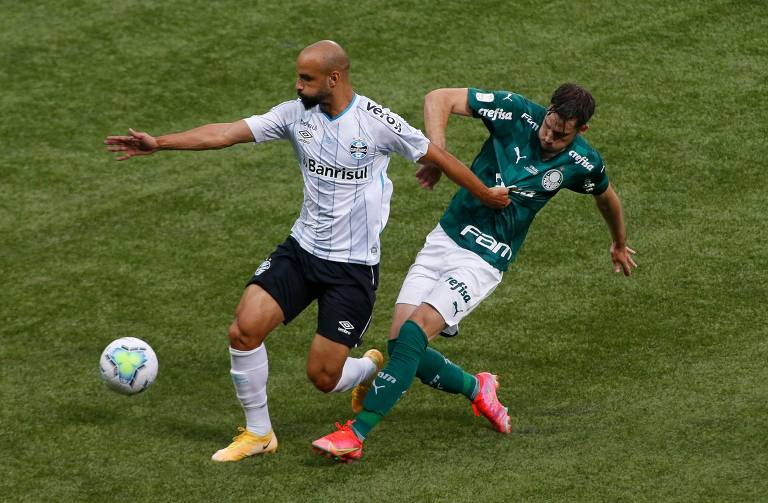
(651, 388)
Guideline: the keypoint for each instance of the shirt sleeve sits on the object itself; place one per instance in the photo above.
(497, 109)
(403, 139)
(594, 182)
(275, 124)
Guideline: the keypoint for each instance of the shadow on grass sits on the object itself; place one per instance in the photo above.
(195, 431)
(89, 414)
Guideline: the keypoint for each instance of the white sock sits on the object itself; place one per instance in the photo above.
(356, 370)
(250, 370)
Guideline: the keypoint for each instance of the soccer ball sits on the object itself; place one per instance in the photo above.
(128, 365)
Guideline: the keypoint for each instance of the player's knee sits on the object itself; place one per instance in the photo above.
(323, 381)
(241, 338)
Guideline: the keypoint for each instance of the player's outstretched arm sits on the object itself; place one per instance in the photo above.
(438, 106)
(609, 205)
(493, 197)
(210, 136)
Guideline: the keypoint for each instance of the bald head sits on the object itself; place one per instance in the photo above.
(325, 56)
(322, 77)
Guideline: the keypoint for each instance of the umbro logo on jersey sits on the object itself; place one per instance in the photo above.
(305, 136)
(345, 327)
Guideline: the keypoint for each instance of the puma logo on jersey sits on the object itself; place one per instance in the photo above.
(377, 388)
(456, 308)
(517, 153)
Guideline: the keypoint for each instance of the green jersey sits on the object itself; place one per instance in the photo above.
(511, 156)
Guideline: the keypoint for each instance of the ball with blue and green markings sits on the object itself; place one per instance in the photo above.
(128, 365)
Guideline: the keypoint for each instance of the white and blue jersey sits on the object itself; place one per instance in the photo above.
(343, 161)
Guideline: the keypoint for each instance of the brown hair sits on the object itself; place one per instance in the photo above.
(571, 101)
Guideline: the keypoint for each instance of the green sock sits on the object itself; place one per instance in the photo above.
(394, 379)
(439, 372)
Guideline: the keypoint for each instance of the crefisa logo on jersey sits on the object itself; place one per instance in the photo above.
(358, 149)
(552, 179)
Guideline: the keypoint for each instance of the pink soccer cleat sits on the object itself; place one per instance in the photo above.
(488, 405)
(342, 445)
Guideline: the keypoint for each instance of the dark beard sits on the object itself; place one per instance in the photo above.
(309, 101)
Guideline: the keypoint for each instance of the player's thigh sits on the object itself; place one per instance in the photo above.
(421, 279)
(281, 281)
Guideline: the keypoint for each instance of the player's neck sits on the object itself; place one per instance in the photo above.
(338, 102)
(545, 156)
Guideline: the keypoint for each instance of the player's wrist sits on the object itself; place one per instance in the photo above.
(162, 143)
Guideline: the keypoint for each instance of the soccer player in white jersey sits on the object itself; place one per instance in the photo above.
(343, 142)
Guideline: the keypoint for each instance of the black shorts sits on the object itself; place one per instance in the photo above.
(345, 292)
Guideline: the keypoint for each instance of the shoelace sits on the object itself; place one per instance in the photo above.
(344, 427)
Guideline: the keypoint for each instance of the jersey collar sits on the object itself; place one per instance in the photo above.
(351, 103)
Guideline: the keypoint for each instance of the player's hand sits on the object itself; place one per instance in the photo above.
(621, 256)
(496, 198)
(138, 143)
(428, 175)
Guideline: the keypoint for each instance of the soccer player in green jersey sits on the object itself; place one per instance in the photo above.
(534, 151)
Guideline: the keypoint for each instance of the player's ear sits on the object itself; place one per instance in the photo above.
(333, 78)
(583, 128)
